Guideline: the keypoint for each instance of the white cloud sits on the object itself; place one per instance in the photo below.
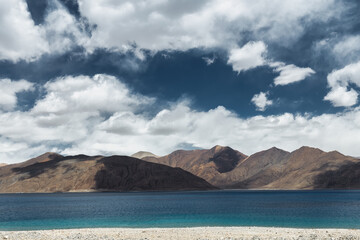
(261, 101)
(348, 49)
(341, 97)
(209, 61)
(98, 94)
(182, 25)
(62, 31)
(22, 39)
(19, 37)
(291, 73)
(8, 91)
(157, 25)
(251, 55)
(343, 49)
(100, 115)
(341, 94)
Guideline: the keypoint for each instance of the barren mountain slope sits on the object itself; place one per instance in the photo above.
(251, 166)
(143, 154)
(84, 173)
(307, 168)
(205, 163)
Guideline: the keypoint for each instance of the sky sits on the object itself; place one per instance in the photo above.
(116, 77)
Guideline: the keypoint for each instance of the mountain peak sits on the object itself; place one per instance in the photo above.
(308, 149)
(143, 154)
(225, 158)
(218, 148)
(275, 149)
(48, 156)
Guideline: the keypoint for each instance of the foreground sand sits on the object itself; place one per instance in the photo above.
(185, 233)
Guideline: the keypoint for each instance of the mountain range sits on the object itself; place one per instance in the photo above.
(201, 169)
(304, 168)
(52, 172)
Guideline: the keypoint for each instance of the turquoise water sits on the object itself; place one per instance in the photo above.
(305, 209)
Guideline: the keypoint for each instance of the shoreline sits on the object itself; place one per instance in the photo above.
(191, 190)
(185, 233)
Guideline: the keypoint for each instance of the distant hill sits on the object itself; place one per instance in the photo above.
(2, 164)
(305, 168)
(143, 154)
(208, 164)
(54, 173)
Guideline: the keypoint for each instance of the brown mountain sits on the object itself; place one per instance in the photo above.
(143, 154)
(208, 164)
(8, 169)
(2, 164)
(253, 165)
(306, 168)
(53, 173)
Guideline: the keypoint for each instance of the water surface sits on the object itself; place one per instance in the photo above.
(304, 209)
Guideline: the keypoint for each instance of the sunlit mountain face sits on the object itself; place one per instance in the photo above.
(118, 77)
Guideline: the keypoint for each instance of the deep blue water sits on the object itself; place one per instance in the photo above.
(305, 209)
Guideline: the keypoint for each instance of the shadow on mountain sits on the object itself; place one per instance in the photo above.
(36, 166)
(122, 173)
(225, 160)
(54, 173)
(34, 169)
(345, 177)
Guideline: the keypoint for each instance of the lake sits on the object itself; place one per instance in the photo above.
(304, 209)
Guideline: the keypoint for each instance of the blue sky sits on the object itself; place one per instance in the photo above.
(116, 77)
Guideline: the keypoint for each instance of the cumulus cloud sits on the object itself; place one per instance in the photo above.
(341, 94)
(251, 55)
(19, 37)
(290, 73)
(101, 93)
(341, 97)
(8, 91)
(183, 25)
(63, 31)
(156, 25)
(261, 101)
(101, 115)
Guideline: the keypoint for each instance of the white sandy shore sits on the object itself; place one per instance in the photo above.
(184, 233)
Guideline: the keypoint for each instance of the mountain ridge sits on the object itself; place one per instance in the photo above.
(205, 163)
(220, 166)
(274, 168)
(143, 154)
(299, 169)
(95, 173)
